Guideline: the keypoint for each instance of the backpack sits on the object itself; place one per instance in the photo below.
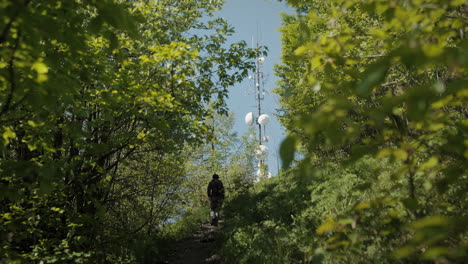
(217, 189)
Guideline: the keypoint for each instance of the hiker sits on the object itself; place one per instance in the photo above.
(216, 194)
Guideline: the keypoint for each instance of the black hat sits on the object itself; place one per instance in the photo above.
(215, 176)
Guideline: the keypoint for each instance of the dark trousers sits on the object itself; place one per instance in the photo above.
(216, 203)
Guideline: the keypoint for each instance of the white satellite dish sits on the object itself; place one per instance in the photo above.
(263, 173)
(261, 60)
(263, 119)
(249, 119)
(261, 152)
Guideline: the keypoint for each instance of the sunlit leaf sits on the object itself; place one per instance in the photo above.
(7, 135)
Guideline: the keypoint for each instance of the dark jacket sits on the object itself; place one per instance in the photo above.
(215, 189)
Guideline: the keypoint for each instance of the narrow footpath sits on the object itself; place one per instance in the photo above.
(199, 249)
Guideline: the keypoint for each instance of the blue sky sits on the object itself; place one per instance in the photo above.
(249, 17)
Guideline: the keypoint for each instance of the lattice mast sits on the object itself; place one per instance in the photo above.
(258, 80)
(261, 120)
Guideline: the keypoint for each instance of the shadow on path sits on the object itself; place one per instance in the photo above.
(200, 248)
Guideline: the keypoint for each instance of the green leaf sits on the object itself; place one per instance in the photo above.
(431, 221)
(287, 150)
(432, 50)
(457, 2)
(7, 135)
(429, 164)
(328, 226)
(435, 252)
(378, 33)
(374, 76)
(404, 252)
(40, 67)
(400, 154)
(411, 204)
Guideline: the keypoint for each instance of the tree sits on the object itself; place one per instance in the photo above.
(385, 79)
(373, 95)
(79, 102)
(223, 154)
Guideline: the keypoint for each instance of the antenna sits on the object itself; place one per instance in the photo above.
(262, 119)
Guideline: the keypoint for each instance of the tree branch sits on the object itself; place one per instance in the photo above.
(368, 56)
(6, 30)
(11, 71)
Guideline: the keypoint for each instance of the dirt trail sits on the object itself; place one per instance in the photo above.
(198, 249)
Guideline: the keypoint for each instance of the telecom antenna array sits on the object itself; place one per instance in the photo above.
(261, 119)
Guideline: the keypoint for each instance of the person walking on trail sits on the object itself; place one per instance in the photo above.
(216, 195)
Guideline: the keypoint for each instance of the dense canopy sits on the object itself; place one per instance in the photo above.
(100, 101)
(374, 100)
(113, 118)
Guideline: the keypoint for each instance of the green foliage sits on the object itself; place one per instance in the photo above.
(98, 99)
(287, 151)
(225, 155)
(373, 97)
(188, 223)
